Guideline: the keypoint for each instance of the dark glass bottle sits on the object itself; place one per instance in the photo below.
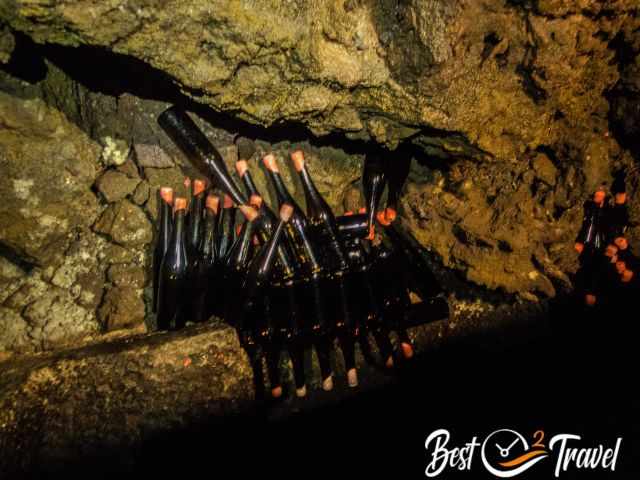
(200, 152)
(373, 184)
(396, 171)
(388, 289)
(204, 265)
(618, 213)
(226, 227)
(195, 214)
(298, 227)
(321, 219)
(353, 226)
(257, 327)
(165, 221)
(421, 276)
(242, 169)
(236, 263)
(173, 288)
(591, 237)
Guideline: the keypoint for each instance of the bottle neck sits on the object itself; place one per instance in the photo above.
(322, 217)
(397, 175)
(249, 186)
(186, 134)
(195, 219)
(281, 190)
(239, 253)
(177, 247)
(166, 224)
(374, 186)
(316, 205)
(207, 242)
(262, 265)
(265, 226)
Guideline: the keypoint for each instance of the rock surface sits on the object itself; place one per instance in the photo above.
(48, 166)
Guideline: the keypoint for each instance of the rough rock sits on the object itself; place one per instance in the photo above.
(141, 193)
(115, 186)
(7, 44)
(48, 166)
(122, 307)
(497, 72)
(13, 331)
(126, 224)
(152, 156)
(115, 151)
(127, 276)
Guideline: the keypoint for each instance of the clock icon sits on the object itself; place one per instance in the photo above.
(506, 453)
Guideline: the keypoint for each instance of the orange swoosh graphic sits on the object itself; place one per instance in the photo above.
(523, 458)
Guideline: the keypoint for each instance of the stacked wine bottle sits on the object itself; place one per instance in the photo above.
(291, 281)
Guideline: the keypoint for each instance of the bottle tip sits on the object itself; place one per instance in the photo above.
(241, 167)
(228, 203)
(391, 214)
(285, 212)
(166, 193)
(382, 219)
(298, 160)
(212, 202)
(407, 350)
(255, 200)
(270, 162)
(301, 392)
(352, 377)
(276, 392)
(327, 384)
(180, 204)
(249, 212)
(199, 186)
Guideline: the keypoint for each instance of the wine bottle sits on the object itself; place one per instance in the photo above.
(236, 262)
(338, 298)
(242, 169)
(591, 235)
(321, 219)
(195, 215)
(226, 227)
(421, 277)
(173, 287)
(165, 203)
(205, 263)
(396, 171)
(256, 322)
(309, 276)
(373, 184)
(618, 213)
(298, 227)
(200, 152)
(388, 299)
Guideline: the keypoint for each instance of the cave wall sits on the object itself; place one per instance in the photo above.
(512, 110)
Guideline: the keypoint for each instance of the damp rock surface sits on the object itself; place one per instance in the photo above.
(48, 166)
